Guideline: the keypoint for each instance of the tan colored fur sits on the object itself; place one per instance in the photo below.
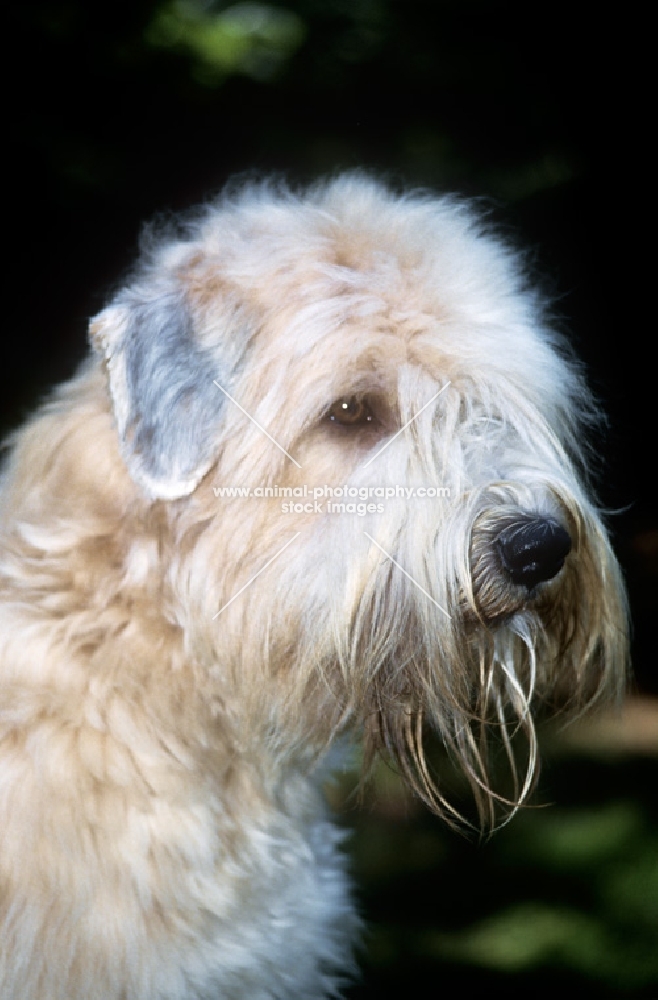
(162, 836)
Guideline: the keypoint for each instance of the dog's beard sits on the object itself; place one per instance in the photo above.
(479, 659)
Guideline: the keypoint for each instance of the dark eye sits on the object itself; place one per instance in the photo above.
(351, 411)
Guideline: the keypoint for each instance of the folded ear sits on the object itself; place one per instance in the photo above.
(166, 405)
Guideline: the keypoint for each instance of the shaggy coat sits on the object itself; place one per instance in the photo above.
(176, 664)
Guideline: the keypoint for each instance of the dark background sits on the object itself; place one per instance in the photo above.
(117, 111)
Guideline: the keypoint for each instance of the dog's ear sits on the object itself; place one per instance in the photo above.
(166, 406)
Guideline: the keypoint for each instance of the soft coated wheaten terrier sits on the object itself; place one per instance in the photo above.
(415, 542)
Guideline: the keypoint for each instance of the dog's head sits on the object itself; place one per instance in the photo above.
(446, 561)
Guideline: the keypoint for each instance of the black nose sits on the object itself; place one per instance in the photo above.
(533, 549)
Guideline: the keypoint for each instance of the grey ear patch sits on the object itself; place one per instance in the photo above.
(166, 406)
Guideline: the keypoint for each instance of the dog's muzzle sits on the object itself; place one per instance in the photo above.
(532, 550)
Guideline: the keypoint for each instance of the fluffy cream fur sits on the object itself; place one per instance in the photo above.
(162, 833)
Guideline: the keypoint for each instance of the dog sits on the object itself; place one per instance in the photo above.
(323, 477)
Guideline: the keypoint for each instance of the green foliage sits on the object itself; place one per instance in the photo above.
(250, 38)
(564, 895)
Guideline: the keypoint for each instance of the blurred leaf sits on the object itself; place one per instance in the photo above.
(523, 936)
(578, 838)
(254, 39)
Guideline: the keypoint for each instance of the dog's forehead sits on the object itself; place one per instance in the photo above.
(353, 250)
(349, 283)
(316, 290)
(336, 328)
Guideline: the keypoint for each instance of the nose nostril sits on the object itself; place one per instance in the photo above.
(532, 550)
